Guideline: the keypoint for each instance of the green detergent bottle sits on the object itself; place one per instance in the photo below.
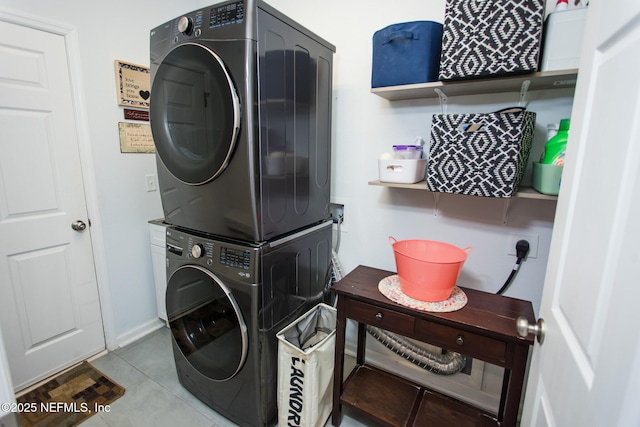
(555, 148)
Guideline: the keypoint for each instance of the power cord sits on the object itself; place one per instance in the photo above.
(339, 220)
(522, 249)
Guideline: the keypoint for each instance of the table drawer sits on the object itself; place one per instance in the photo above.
(386, 319)
(488, 349)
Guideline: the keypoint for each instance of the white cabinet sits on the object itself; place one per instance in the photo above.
(158, 238)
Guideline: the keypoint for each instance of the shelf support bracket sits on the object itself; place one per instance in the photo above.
(523, 93)
(443, 100)
(505, 211)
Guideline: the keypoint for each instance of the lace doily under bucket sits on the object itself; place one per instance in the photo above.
(390, 288)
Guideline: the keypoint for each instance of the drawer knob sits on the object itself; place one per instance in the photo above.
(379, 317)
(460, 340)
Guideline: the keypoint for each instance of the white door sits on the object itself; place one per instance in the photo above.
(49, 307)
(587, 370)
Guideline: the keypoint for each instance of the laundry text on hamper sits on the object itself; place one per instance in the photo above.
(295, 393)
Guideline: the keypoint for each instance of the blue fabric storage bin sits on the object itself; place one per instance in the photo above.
(406, 53)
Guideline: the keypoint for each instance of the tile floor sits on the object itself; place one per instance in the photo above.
(153, 395)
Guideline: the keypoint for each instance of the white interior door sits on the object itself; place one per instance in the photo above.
(587, 370)
(49, 306)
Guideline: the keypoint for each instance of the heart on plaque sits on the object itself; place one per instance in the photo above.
(145, 94)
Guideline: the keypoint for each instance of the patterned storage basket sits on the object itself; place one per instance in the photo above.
(482, 38)
(480, 154)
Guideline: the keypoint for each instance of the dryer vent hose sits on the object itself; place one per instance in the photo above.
(442, 363)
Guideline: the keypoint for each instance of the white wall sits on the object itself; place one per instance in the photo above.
(366, 125)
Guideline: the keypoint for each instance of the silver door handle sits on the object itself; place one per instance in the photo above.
(524, 328)
(79, 225)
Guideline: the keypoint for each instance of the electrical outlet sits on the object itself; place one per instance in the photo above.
(531, 238)
(337, 207)
(152, 182)
(337, 211)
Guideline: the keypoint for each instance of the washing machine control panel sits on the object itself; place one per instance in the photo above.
(235, 260)
(238, 258)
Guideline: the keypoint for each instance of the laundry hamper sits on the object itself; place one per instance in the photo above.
(305, 368)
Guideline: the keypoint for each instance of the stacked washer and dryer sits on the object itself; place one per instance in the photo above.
(241, 119)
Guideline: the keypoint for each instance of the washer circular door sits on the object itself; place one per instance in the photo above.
(206, 322)
(195, 113)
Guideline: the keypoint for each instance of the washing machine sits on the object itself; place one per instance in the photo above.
(226, 300)
(240, 112)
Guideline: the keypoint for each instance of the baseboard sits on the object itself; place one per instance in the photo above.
(9, 419)
(139, 332)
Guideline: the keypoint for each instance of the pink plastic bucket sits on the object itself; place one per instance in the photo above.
(428, 270)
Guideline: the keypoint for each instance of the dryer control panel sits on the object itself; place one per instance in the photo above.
(227, 14)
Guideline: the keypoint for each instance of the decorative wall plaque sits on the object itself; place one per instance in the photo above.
(142, 115)
(135, 138)
(133, 84)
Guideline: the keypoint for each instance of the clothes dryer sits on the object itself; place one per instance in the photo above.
(226, 301)
(240, 112)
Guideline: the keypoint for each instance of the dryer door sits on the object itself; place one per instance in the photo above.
(195, 113)
(206, 322)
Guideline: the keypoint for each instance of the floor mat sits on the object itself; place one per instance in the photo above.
(68, 399)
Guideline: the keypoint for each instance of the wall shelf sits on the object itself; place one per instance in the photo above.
(544, 80)
(559, 79)
(524, 193)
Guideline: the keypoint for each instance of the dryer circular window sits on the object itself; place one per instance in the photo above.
(206, 322)
(195, 113)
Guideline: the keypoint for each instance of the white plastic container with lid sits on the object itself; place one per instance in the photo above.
(402, 171)
(564, 31)
(407, 151)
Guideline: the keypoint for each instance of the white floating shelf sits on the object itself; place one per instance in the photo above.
(538, 81)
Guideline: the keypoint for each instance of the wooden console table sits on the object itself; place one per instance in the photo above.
(484, 329)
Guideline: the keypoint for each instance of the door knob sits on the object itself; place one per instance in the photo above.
(79, 225)
(524, 328)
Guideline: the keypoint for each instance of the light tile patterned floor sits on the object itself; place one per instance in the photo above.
(153, 396)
